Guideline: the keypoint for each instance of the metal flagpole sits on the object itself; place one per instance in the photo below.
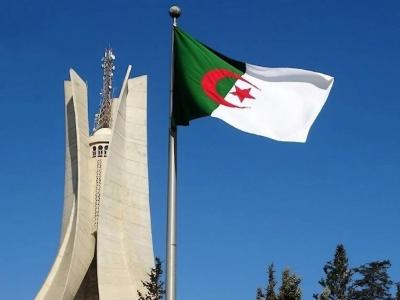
(174, 12)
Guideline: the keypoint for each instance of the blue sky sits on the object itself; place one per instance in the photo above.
(244, 201)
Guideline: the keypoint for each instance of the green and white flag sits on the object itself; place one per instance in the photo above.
(278, 103)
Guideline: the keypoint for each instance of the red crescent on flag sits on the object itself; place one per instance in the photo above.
(209, 84)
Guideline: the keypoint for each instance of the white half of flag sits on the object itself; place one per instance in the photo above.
(278, 103)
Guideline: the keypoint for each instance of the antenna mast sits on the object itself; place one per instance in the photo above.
(103, 118)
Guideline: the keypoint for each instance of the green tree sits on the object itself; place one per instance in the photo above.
(270, 291)
(397, 291)
(325, 294)
(154, 286)
(290, 286)
(373, 282)
(260, 295)
(337, 276)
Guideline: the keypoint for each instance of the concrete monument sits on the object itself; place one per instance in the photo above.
(106, 245)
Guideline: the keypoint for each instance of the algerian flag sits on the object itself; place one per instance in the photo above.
(278, 103)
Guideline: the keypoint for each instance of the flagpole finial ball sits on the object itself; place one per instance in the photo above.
(174, 11)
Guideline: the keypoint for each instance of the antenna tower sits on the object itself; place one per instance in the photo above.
(103, 118)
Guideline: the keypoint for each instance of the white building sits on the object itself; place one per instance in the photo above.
(106, 244)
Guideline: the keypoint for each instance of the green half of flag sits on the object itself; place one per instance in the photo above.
(192, 61)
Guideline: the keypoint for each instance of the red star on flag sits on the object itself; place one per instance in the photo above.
(242, 93)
